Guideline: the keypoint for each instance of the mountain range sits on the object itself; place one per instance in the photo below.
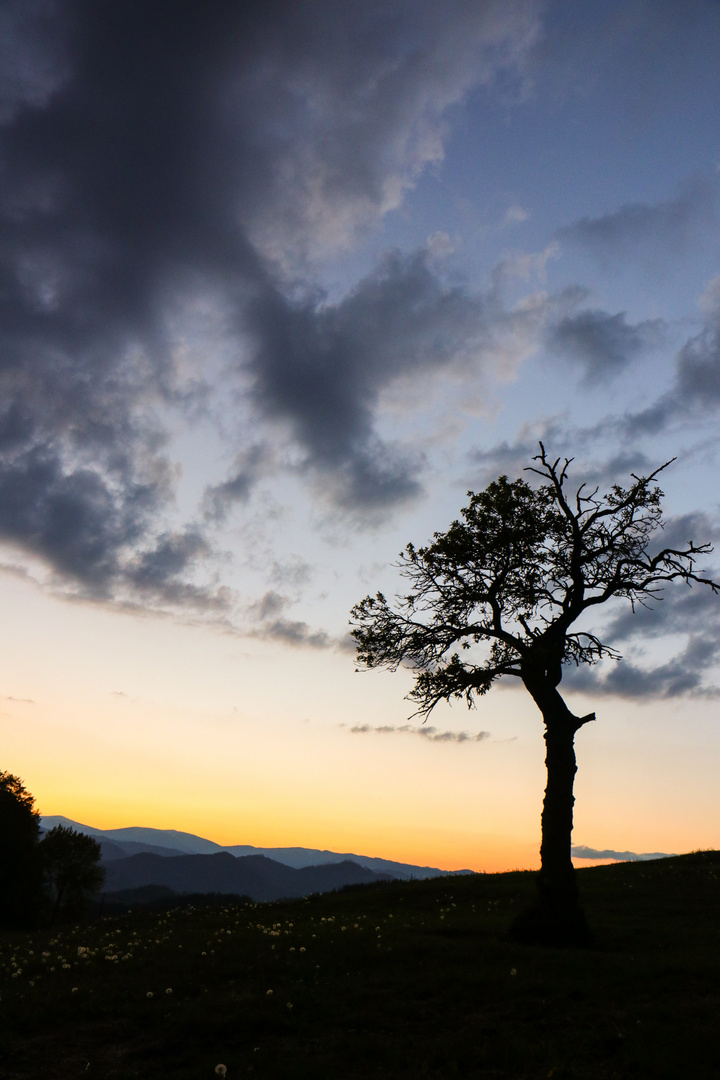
(136, 858)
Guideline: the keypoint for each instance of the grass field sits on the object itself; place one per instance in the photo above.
(404, 981)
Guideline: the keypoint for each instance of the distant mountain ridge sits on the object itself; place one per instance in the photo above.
(256, 876)
(121, 844)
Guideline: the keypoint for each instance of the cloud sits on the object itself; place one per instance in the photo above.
(321, 367)
(562, 439)
(250, 466)
(603, 344)
(641, 230)
(18, 700)
(162, 157)
(580, 851)
(687, 618)
(695, 391)
(296, 633)
(515, 215)
(273, 626)
(425, 732)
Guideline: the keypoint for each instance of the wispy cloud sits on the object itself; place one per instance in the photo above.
(579, 851)
(425, 732)
(271, 624)
(642, 230)
(515, 215)
(603, 344)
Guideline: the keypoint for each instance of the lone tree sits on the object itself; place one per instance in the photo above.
(70, 862)
(506, 586)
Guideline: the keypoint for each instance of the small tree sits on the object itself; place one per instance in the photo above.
(70, 862)
(20, 876)
(506, 586)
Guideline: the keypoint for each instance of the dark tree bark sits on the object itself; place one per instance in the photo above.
(557, 917)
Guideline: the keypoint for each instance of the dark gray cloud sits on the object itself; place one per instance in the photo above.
(425, 732)
(641, 230)
(268, 613)
(250, 466)
(321, 366)
(603, 344)
(294, 632)
(156, 153)
(680, 677)
(580, 851)
(695, 391)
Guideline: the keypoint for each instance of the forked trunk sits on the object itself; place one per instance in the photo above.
(556, 918)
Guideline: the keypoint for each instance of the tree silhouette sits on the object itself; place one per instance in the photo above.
(506, 587)
(20, 875)
(70, 862)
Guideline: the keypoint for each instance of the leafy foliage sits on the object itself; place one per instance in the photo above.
(499, 593)
(71, 870)
(20, 876)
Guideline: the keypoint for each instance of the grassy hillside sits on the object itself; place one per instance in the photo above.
(406, 980)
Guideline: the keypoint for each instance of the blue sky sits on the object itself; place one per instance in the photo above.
(279, 283)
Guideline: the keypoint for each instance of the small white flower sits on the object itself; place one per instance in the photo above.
(221, 1070)
(269, 993)
(513, 971)
(169, 990)
(149, 994)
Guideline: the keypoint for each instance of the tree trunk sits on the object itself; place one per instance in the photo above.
(556, 918)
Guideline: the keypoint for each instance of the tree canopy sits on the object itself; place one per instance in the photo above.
(516, 573)
(20, 875)
(71, 870)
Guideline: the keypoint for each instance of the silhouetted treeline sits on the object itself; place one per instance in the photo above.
(42, 879)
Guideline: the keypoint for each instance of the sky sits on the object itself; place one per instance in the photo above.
(280, 283)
